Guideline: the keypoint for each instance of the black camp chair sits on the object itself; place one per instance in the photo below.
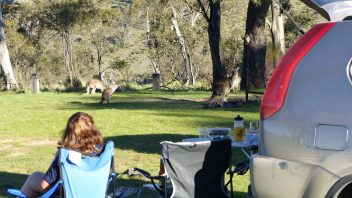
(196, 169)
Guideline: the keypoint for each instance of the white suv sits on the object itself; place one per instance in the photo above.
(305, 149)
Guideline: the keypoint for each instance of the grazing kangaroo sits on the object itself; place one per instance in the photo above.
(224, 86)
(107, 93)
(94, 84)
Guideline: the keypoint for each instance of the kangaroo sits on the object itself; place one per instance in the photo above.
(94, 84)
(107, 93)
(224, 86)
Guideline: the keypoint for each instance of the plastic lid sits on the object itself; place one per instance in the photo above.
(238, 118)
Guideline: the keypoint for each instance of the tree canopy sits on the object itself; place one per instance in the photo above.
(190, 43)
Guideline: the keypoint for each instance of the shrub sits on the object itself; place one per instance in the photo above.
(76, 84)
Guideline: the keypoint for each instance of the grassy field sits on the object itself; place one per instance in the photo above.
(30, 126)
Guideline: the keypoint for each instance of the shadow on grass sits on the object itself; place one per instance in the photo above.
(14, 180)
(203, 120)
(240, 195)
(128, 183)
(10, 180)
(145, 143)
(130, 104)
(139, 181)
(150, 143)
(153, 103)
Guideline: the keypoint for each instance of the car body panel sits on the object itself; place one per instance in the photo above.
(333, 10)
(319, 94)
(288, 179)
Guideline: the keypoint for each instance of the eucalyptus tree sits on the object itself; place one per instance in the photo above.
(213, 18)
(62, 17)
(277, 27)
(277, 30)
(254, 50)
(173, 38)
(5, 63)
(24, 55)
(184, 48)
(211, 12)
(105, 43)
(124, 6)
(152, 44)
(144, 12)
(302, 18)
(189, 36)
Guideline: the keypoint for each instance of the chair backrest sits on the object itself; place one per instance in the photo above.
(86, 176)
(197, 169)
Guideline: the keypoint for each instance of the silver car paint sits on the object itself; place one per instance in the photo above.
(338, 10)
(320, 93)
(333, 10)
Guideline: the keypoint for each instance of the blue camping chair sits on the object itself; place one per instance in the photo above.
(88, 177)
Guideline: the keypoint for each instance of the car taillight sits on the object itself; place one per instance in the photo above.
(276, 90)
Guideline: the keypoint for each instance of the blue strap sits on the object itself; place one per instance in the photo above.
(16, 193)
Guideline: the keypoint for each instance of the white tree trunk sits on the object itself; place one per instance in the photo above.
(67, 54)
(155, 65)
(185, 52)
(195, 17)
(277, 37)
(277, 28)
(5, 63)
(125, 32)
(149, 44)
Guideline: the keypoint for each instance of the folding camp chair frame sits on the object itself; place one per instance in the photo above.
(164, 192)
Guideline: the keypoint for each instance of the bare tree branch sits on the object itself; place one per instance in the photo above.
(189, 5)
(194, 18)
(204, 12)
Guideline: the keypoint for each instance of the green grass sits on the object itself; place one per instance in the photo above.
(30, 126)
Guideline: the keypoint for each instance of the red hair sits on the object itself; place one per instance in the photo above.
(81, 134)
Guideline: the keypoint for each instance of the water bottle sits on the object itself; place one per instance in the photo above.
(238, 128)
